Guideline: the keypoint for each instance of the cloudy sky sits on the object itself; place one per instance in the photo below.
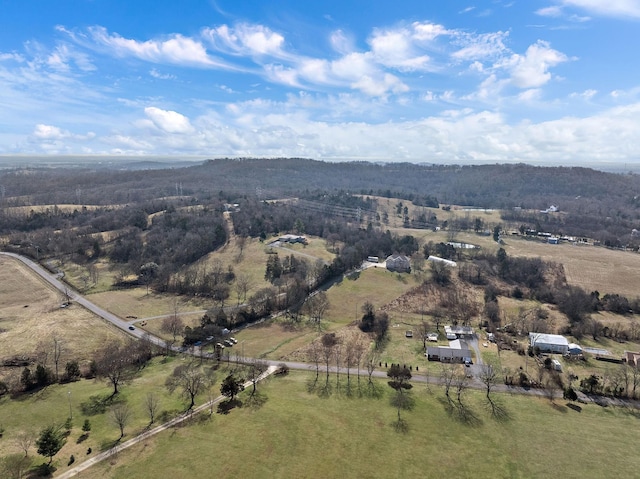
(411, 80)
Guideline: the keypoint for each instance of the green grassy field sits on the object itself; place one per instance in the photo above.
(31, 412)
(298, 434)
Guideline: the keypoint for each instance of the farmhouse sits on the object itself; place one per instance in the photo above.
(293, 239)
(549, 343)
(398, 263)
(457, 352)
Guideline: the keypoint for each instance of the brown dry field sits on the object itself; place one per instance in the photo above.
(590, 267)
(30, 313)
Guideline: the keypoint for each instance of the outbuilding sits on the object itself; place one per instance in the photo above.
(549, 343)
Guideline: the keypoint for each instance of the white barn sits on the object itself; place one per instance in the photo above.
(549, 343)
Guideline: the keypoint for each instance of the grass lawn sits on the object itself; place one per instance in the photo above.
(298, 434)
(30, 413)
(376, 285)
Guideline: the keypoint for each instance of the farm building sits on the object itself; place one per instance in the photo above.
(574, 349)
(447, 262)
(632, 358)
(293, 239)
(399, 263)
(458, 331)
(549, 343)
(457, 352)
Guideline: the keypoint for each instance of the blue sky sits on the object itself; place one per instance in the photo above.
(423, 81)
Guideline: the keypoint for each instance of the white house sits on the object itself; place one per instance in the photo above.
(549, 343)
(457, 352)
(399, 263)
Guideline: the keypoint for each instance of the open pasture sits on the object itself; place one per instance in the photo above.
(30, 313)
(338, 436)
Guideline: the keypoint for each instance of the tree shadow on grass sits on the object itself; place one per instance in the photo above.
(225, 406)
(400, 426)
(43, 470)
(575, 407)
(98, 404)
(372, 390)
(559, 408)
(498, 410)
(461, 412)
(256, 400)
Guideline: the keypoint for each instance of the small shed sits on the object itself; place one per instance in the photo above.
(574, 349)
(556, 365)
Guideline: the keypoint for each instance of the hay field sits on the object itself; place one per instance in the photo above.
(30, 313)
(590, 267)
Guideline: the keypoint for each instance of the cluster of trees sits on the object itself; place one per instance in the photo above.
(374, 322)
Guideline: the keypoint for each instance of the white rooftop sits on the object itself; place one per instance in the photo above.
(556, 339)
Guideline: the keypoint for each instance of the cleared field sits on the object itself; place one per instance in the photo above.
(590, 267)
(30, 313)
(375, 285)
(342, 437)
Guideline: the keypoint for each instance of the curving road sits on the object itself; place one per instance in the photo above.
(474, 382)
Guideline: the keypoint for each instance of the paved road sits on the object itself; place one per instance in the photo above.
(433, 377)
(81, 300)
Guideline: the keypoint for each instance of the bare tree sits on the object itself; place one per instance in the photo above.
(57, 352)
(114, 364)
(256, 369)
(190, 379)
(447, 376)
(173, 325)
(635, 380)
(337, 355)
(372, 363)
(423, 330)
(359, 349)
(24, 440)
(14, 466)
(489, 377)
(315, 355)
(461, 382)
(316, 307)
(243, 285)
(152, 406)
(329, 341)
(121, 415)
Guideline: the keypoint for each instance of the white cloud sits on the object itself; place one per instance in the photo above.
(613, 8)
(161, 76)
(428, 31)
(586, 95)
(168, 121)
(176, 49)
(341, 42)
(480, 46)
(49, 132)
(394, 48)
(531, 70)
(552, 11)
(246, 39)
